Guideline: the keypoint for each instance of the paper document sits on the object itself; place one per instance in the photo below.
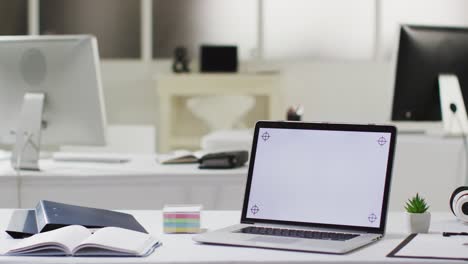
(434, 246)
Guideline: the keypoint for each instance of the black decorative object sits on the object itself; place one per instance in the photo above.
(181, 60)
(218, 58)
(295, 113)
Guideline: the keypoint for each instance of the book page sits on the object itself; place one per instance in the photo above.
(179, 156)
(118, 240)
(199, 154)
(65, 238)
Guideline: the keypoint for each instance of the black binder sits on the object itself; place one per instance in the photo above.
(224, 160)
(50, 215)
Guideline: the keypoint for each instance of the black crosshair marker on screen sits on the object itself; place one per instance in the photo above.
(372, 218)
(265, 136)
(254, 209)
(382, 141)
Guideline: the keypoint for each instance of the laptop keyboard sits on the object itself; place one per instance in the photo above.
(297, 233)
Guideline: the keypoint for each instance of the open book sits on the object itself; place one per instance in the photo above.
(181, 156)
(214, 160)
(77, 240)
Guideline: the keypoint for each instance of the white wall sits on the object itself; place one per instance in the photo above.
(129, 92)
(339, 91)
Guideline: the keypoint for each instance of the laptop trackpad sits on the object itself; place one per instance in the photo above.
(272, 239)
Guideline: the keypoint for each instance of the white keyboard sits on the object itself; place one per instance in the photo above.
(90, 157)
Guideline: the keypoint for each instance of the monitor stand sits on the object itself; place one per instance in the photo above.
(25, 155)
(454, 117)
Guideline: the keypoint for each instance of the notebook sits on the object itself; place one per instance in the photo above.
(314, 187)
(77, 240)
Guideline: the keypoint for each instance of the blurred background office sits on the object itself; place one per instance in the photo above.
(335, 56)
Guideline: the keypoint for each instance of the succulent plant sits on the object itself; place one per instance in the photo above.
(416, 205)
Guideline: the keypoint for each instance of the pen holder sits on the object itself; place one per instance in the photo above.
(181, 218)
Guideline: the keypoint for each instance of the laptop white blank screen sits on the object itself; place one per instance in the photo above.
(319, 176)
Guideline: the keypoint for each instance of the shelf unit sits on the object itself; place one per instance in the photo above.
(179, 129)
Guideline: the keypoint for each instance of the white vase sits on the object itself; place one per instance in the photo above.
(418, 223)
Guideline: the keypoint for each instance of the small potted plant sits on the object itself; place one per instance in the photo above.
(419, 218)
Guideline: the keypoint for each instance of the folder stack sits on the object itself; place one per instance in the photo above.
(182, 218)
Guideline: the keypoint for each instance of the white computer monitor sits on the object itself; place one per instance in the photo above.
(49, 85)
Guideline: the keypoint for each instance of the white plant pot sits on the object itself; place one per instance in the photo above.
(418, 223)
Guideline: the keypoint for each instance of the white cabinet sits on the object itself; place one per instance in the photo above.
(179, 128)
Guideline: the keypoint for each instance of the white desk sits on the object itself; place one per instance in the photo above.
(431, 165)
(139, 184)
(179, 248)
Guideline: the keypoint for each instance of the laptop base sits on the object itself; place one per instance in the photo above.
(231, 236)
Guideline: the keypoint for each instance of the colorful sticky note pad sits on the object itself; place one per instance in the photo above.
(181, 218)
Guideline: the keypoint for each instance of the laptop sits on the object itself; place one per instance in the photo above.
(315, 187)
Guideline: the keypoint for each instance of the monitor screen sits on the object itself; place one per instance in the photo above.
(319, 176)
(424, 53)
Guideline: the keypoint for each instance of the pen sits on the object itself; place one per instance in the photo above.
(447, 234)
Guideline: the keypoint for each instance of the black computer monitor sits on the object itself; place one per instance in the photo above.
(425, 52)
